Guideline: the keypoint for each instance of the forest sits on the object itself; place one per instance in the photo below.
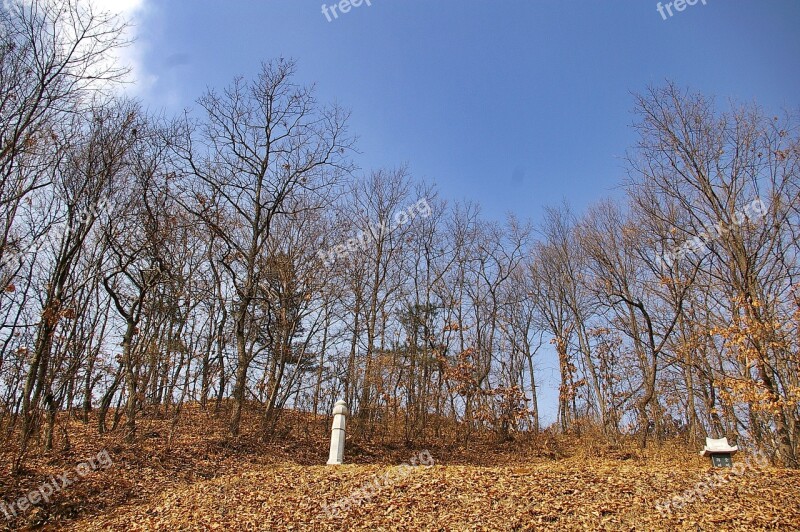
(236, 255)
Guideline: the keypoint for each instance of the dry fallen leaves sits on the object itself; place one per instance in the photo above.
(206, 481)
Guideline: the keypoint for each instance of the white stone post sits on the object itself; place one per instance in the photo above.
(337, 433)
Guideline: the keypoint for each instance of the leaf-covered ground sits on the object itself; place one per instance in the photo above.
(567, 494)
(191, 476)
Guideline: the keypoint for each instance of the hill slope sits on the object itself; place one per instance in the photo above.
(558, 495)
(188, 474)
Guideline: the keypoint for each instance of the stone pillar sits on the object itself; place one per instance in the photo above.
(337, 434)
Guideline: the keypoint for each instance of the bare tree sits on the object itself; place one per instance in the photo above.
(89, 169)
(55, 59)
(260, 144)
(730, 180)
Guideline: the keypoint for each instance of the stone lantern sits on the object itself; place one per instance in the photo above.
(720, 452)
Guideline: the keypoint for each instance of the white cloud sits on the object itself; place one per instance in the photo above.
(135, 13)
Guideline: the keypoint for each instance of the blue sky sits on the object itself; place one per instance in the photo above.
(515, 104)
(512, 103)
